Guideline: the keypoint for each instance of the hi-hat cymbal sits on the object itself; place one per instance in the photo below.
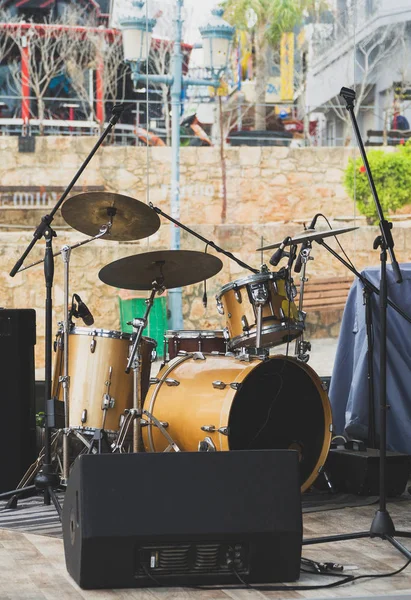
(131, 219)
(308, 236)
(177, 267)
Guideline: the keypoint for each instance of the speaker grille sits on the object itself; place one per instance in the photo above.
(172, 559)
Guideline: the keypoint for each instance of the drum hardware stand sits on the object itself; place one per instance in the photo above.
(31, 472)
(203, 239)
(302, 347)
(382, 525)
(46, 480)
(134, 359)
(134, 415)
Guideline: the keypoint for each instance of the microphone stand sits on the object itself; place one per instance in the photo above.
(382, 525)
(46, 480)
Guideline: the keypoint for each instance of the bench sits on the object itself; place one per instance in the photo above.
(324, 302)
(394, 137)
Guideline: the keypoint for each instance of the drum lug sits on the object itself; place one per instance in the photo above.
(226, 333)
(93, 344)
(198, 356)
(237, 295)
(244, 323)
(84, 416)
(212, 429)
(235, 386)
(171, 382)
(108, 401)
(208, 428)
(220, 307)
(219, 385)
(154, 381)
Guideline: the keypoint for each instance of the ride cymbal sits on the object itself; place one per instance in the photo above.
(308, 236)
(177, 268)
(131, 219)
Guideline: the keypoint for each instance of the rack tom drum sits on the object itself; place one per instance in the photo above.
(281, 320)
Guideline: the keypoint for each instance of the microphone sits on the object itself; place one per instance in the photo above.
(279, 253)
(299, 262)
(83, 312)
(205, 297)
(314, 221)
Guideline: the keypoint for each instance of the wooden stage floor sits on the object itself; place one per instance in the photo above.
(32, 566)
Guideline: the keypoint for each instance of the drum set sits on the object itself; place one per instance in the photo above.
(215, 390)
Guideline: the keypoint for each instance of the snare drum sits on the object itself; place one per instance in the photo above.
(97, 363)
(281, 320)
(195, 340)
(224, 403)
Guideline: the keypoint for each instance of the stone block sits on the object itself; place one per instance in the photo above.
(250, 155)
(334, 176)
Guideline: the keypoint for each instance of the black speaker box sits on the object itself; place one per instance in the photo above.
(185, 518)
(17, 394)
(357, 471)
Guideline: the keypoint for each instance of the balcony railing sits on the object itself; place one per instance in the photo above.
(143, 123)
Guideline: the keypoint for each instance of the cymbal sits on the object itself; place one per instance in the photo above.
(309, 236)
(178, 267)
(132, 219)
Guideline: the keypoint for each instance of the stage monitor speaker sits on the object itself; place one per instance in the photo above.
(357, 471)
(185, 518)
(17, 393)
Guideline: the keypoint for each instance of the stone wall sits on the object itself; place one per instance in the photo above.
(271, 192)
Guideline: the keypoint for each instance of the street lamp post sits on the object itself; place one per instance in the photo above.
(217, 36)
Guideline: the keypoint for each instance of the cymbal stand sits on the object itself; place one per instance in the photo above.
(134, 359)
(65, 378)
(302, 347)
(203, 239)
(46, 480)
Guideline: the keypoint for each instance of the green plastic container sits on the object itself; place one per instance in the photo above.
(157, 320)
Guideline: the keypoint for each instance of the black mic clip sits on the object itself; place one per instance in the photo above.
(116, 111)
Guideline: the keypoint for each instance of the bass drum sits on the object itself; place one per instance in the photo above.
(228, 404)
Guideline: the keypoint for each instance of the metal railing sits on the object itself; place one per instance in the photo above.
(143, 122)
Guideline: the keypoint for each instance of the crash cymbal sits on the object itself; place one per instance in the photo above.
(178, 267)
(132, 219)
(308, 236)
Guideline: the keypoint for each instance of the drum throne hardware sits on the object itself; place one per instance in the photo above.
(154, 271)
(47, 480)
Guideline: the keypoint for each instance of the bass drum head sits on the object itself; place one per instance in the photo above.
(281, 404)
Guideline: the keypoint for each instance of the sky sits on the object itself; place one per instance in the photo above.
(197, 13)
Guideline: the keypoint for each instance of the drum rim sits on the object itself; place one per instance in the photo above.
(325, 403)
(239, 339)
(246, 280)
(210, 333)
(100, 332)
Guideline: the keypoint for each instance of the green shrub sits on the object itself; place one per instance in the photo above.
(392, 177)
